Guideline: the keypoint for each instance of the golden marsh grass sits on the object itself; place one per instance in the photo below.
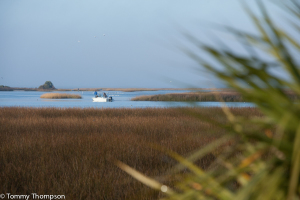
(193, 96)
(69, 151)
(60, 96)
(226, 96)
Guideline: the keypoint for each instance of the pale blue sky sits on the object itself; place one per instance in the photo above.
(105, 43)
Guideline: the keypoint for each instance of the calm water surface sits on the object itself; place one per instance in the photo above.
(121, 100)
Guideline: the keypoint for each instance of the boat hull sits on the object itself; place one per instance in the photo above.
(102, 99)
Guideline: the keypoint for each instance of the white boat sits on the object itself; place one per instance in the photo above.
(102, 99)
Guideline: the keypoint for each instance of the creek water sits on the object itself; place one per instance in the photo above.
(121, 100)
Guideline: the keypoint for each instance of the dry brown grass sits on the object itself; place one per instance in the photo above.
(70, 151)
(194, 96)
(226, 96)
(60, 96)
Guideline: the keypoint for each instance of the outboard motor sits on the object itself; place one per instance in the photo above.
(110, 99)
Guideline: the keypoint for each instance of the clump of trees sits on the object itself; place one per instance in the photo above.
(5, 88)
(48, 85)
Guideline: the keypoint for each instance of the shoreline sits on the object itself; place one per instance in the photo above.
(211, 96)
(215, 96)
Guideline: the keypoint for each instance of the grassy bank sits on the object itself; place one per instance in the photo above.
(201, 96)
(226, 96)
(69, 151)
(60, 96)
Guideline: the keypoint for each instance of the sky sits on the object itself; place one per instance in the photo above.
(109, 43)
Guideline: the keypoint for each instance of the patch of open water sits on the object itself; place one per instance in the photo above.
(121, 100)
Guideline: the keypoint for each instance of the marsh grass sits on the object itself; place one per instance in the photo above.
(193, 96)
(219, 96)
(60, 96)
(71, 151)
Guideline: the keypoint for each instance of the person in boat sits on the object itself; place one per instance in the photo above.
(96, 94)
(104, 95)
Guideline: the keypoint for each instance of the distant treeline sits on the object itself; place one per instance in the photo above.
(5, 88)
(201, 97)
(43, 88)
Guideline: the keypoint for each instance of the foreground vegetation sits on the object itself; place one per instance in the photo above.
(72, 151)
(60, 96)
(268, 161)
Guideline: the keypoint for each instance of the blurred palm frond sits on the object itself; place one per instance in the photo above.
(265, 163)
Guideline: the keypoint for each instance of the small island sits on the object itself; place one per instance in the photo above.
(60, 96)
